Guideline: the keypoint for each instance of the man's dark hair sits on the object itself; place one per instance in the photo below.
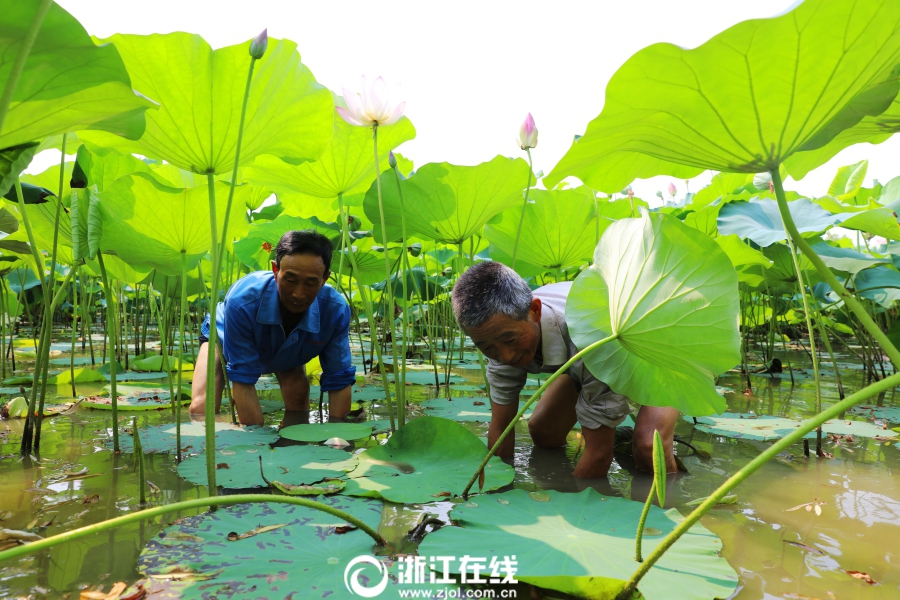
(308, 241)
(488, 289)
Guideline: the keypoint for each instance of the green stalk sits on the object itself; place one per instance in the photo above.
(401, 399)
(139, 458)
(163, 320)
(237, 160)
(522, 218)
(3, 317)
(166, 509)
(640, 529)
(212, 302)
(870, 326)
(795, 436)
(812, 341)
(367, 304)
(576, 357)
(389, 313)
(75, 307)
(22, 57)
(112, 322)
(180, 347)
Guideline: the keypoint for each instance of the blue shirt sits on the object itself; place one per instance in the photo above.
(252, 333)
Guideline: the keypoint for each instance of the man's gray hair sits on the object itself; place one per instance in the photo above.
(488, 289)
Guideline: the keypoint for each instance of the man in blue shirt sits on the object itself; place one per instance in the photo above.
(276, 322)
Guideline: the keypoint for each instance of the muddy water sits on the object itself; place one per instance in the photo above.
(777, 553)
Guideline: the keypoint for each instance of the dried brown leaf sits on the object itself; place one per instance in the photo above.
(861, 576)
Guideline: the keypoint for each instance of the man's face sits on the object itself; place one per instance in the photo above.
(299, 279)
(508, 341)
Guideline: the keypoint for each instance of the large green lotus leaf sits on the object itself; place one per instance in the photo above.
(425, 459)
(583, 544)
(449, 203)
(346, 167)
(425, 378)
(319, 432)
(49, 179)
(267, 406)
(81, 376)
(131, 403)
(104, 165)
(871, 129)
(369, 259)
(146, 222)
(670, 294)
(156, 363)
(879, 284)
(848, 181)
(201, 92)
(238, 466)
(871, 411)
(305, 559)
(119, 270)
(160, 439)
(748, 426)
(68, 83)
(760, 221)
(722, 185)
(746, 99)
(845, 259)
(783, 269)
(251, 251)
(877, 221)
(463, 408)
(418, 284)
(740, 253)
(559, 229)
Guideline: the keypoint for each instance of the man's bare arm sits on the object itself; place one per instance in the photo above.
(246, 400)
(501, 416)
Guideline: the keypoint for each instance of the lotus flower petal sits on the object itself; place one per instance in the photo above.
(395, 116)
(348, 116)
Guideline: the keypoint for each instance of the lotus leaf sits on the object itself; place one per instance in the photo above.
(346, 167)
(68, 83)
(749, 426)
(267, 406)
(670, 295)
(462, 408)
(124, 376)
(879, 284)
(760, 221)
(583, 544)
(250, 249)
(425, 378)
(845, 259)
(146, 222)
(305, 556)
(425, 459)
(848, 181)
(201, 92)
(156, 363)
(131, 403)
(877, 221)
(319, 432)
(449, 203)
(745, 100)
(869, 411)
(81, 376)
(559, 229)
(740, 253)
(160, 439)
(239, 466)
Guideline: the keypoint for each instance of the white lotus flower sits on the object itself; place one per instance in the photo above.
(375, 105)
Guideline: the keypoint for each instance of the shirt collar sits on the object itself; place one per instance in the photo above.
(269, 312)
(553, 344)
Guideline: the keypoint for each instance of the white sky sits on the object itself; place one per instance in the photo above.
(471, 70)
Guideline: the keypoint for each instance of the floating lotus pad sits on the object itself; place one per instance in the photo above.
(305, 556)
(870, 411)
(136, 376)
(423, 378)
(319, 432)
(160, 389)
(131, 403)
(583, 544)
(747, 426)
(369, 394)
(161, 438)
(466, 388)
(463, 408)
(426, 459)
(238, 466)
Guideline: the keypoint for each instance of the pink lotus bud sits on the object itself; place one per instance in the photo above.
(392, 160)
(528, 133)
(672, 189)
(259, 44)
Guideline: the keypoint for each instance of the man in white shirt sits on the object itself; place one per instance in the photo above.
(524, 332)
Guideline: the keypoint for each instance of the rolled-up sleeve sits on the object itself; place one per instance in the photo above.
(242, 359)
(506, 382)
(337, 365)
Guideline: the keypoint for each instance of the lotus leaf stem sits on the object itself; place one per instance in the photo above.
(751, 467)
(166, 509)
(576, 357)
(524, 206)
(112, 326)
(640, 528)
(212, 302)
